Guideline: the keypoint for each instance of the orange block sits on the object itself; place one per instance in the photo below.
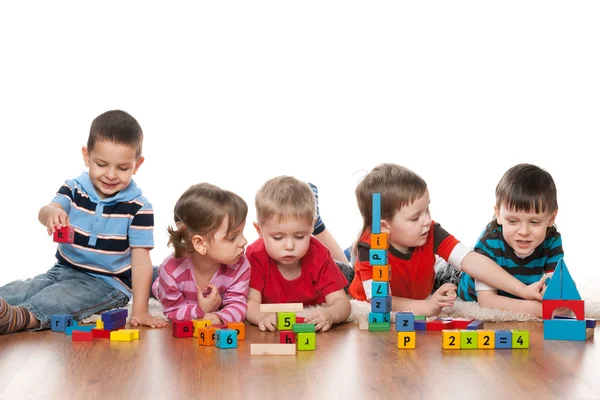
(381, 273)
(239, 327)
(206, 336)
(379, 241)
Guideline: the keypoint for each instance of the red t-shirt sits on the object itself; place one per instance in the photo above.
(319, 277)
(412, 275)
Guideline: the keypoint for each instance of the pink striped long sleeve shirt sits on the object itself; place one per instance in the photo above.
(176, 289)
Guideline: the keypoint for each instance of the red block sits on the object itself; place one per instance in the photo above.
(183, 329)
(300, 320)
(66, 234)
(101, 334)
(461, 323)
(439, 325)
(81, 336)
(548, 307)
(287, 337)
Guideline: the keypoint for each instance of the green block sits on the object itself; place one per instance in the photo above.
(306, 341)
(379, 326)
(420, 318)
(303, 328)
(520, 339)
(468, 339)
(285, 320)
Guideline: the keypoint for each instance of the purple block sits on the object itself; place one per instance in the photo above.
(114, 315)
(590, 323)
(420, 325)
(473, 326)
(114, 325)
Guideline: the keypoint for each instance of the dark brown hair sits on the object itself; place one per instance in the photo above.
(118, 127)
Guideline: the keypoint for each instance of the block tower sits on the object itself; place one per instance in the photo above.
(381, 301)
(562, 292)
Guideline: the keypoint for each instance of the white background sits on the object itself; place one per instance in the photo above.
(234, 93)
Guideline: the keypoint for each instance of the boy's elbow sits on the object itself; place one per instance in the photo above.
(485, 299)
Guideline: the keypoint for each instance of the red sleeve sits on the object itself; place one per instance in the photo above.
(258, 259)
(443, 242)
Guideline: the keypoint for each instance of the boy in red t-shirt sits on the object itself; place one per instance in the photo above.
(287, 264)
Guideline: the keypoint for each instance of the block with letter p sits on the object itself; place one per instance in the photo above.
(377, 257)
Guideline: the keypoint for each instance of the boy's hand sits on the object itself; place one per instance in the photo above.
(214, 318)
(209, 298)
(146, 320)
(321, 318)
(268, 323)
(56, 218)
(533, 291)
(443, 297)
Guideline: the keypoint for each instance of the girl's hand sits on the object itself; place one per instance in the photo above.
(209, 298)
(321, 318)
(146, 320)
(214, 318)
(268, 323)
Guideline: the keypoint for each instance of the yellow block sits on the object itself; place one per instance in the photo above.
(379, 241)
(136, 332)
(407, 340)
(120, 336)
(486, 339)
(450, 339)
(99, 324)
(381, 273)
(200, 323)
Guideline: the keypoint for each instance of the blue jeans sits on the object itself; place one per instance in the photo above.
(63, 290)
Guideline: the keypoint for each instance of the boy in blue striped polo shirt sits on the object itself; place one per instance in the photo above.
(109, 260)
(521, 238)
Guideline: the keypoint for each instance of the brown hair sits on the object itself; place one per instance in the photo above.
(118, 127)
(285, 197)
(200, 211)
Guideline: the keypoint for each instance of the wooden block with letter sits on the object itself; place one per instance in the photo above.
(407, 340)
(306, 341)
(486, 339)
(285, 321)
(65, 234)
(379, 241)
(239, 327)
(451, 339)
(381, 273)
(200, 323)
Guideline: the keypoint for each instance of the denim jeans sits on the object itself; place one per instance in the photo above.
(63, 290)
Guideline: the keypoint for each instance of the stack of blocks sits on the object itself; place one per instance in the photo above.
(109, 326)
(485, 339)
(562, 292)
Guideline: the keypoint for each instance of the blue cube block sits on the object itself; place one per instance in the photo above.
(405, 322)
(226, 338)
(114, 315)
(503, 339)
(381, 304)
(420, 325)
(378, 257)
(379, 317)
(380, 289)
(114, 325)
(590, 323)
(59, 322)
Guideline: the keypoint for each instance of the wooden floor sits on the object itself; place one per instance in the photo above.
(348, 364)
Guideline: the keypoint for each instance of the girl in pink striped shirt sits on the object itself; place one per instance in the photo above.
(207, 275)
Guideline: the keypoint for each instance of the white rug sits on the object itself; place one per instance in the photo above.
(360, 309)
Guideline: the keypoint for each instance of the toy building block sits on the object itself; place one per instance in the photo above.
(568, 289)
(81, 336)
(306, 341)
(379, 241)
(115, 325)
(380, 289)
(376, 209)
(475, 325)
(285, 320)
(379, 317)
(378, 257)
(226, 339)
(200, 323)
(65, 234)
(564, 329)
(136, 333)
(486, 339)
(468, 339)
(420, 318)
(554, 288)
(363, 324)
(207, 336)
(420, 325)
(182, 329)
(439, 325)
(59, 322)
(379, 326)
(503, 339)
(272, 349)
(69, 329)
(381, 304)
(407, 340)
(405, 322)
(288, 337)
(281, 307)
(300, 320)
(589, 332)
(122, 336)
(590, 323)
(99, 324)
(114, 315)
(451, 339)
(381, 273)
(549, 306)
(520, 339)
(83, 328)
(100, 333)
(303, 328)
(461, 323)
(239, 328)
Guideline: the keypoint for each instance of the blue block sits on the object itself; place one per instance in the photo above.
(376, 206)
(69, 329)
(554, 288)
(590, 323)
(379, 317)
(114, 325)
(568, 288)
(87, 328)
(564, 329)
(226, 338)
(473, 326)
(381, 304)
(378, 257)
(59, 322)
(420, 325)
(114, 315)
(380, 289)
(405, 322)
(503, 339)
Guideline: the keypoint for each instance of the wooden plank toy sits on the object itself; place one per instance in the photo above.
(281, 307)
(272, 349)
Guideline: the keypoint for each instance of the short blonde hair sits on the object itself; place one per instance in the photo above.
(285, 198)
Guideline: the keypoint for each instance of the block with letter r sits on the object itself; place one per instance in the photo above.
(60, 322)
